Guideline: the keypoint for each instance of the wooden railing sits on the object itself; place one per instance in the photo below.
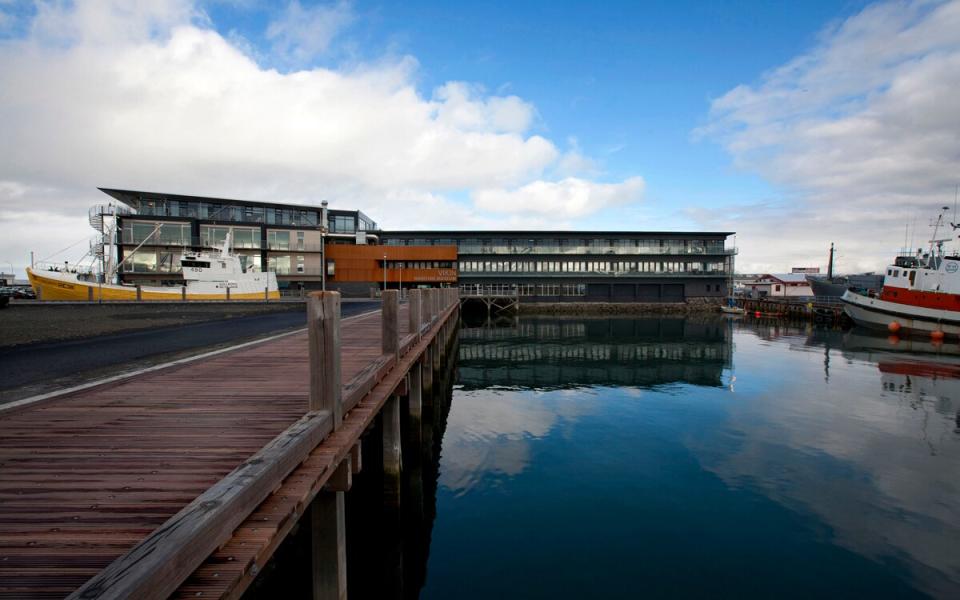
(158, 564)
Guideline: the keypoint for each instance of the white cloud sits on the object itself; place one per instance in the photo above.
(301, 34)
(861, 132)
(567, 198)
(151, 96)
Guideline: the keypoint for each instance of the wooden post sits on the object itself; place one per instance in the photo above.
(415, 399)
(329, 550)
(183, 293)
(392, 461)
(139, 293)
(266, 293)
(329, 546)
(323, 330)
(228, 293)
(413, 312)
(39, 294)
(89, 294)
(389, 322)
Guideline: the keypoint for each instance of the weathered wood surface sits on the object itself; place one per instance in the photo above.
(86, 477)
(153, 568)
(229, 570)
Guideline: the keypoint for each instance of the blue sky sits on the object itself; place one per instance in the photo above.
(628, 82)
(795, 124)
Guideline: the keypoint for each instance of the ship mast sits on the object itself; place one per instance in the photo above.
(830, 264)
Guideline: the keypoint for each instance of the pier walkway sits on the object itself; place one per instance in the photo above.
(182, 481)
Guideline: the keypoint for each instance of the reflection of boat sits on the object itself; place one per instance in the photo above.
(921, 294)
(206, 276)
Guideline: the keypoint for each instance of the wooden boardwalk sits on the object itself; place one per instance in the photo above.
(87, 476)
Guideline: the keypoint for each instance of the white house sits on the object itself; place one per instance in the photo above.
(793, 285)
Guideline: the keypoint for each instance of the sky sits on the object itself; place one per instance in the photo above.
(794, 124)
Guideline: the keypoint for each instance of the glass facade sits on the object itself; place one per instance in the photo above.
(569, 246)
(162, 234)
(152, 260)
(586, 267)
(342, 224)
(212, 236)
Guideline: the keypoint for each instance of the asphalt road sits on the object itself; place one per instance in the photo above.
(38, 368)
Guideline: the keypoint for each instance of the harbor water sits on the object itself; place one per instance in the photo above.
(696, 457)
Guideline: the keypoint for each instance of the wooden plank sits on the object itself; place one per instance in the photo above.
(299, 490)
(164, 559)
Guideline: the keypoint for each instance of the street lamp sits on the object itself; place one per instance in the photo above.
(384, 271)
(401, 279)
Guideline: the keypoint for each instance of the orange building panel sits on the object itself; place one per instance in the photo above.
(365, 263)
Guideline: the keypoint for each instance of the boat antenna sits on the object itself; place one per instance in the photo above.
(953, 223)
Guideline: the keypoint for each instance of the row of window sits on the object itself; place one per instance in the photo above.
(568, 246)
(212, 236)
(163, 261)
(418, 264)
(588, 266)
(543, 289)
(215, 211)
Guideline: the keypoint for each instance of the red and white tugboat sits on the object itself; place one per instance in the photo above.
(920, 295)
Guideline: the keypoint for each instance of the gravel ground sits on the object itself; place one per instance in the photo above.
(22, 323)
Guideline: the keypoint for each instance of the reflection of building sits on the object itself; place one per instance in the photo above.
(567, 266)
(549, 353)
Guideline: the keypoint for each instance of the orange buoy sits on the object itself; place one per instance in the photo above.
(936, 335)
(757, 314)
(893, 327)
(893, 340)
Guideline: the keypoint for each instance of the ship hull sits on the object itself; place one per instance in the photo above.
(875, 313)
(65, 286)
(823, 288)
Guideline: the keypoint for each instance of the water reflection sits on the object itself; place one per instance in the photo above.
(829, 468)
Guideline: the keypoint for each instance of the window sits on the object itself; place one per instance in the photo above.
(278, 240)
(143, 261)
(342, 224)
(777, 288)
(300, 268)
(300, 240)
(279, 264)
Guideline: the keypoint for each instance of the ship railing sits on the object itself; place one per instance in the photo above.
(63, 267)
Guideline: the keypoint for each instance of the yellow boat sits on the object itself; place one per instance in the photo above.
(206, 276)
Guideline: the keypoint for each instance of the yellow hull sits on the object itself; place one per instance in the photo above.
(48, 288)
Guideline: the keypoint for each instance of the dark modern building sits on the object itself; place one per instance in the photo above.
(576, 266)
(288, 239)
(310, 247)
